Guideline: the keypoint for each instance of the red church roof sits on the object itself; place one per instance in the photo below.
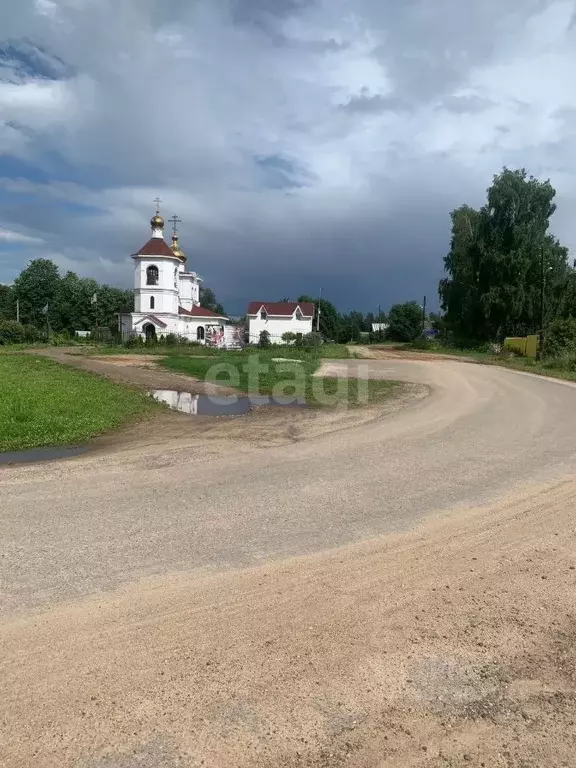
(200, 312)
(156, 246)
(282, 308)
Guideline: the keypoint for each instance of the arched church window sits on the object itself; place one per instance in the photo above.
(200, 333)
(176, 278)
(151, 302)
(152, 275)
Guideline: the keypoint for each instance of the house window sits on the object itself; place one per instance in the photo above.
(152, 275)
(200, 333)
(263, 315)
(151, 302)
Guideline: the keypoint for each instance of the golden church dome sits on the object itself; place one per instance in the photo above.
(177, 250)
(157, 222)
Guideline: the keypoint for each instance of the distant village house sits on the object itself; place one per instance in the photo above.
(278, 318)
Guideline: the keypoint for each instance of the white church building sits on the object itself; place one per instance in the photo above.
(167, 294)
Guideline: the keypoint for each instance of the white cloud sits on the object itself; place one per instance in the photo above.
(7, 236)
(180, 99)
(24, 98)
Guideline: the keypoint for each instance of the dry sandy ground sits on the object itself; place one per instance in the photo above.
(171, 431)
(453, 645)
(387, 352)
(450, 643)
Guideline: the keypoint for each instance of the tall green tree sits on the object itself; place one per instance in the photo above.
(7, 303)
(330, 319)
(73, 310)
(499, 259)
(351, 326)
(69, 299)
(111, 301)
(405, 321)
(460, 292)
(208, 300)
(36, 286)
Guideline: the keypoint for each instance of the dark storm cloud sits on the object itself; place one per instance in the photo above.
(304, 144)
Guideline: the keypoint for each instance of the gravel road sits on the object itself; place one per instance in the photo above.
(396, 593)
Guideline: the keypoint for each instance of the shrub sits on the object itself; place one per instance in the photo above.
(289, 337)
(560, 338)
(134, 341)
(566, 362)
(171, 340)
(264, 339)
(405, 322)
(422, 343)
(31, 334)
(312, 339)
(61, 339)
(12, 332)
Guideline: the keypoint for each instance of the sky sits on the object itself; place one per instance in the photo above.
(305, 144)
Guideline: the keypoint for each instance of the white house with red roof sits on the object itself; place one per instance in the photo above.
(278, 318)
(167, 293)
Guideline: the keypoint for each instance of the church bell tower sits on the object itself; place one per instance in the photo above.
(156, 273)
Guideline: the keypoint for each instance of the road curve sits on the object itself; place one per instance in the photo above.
(79, 527)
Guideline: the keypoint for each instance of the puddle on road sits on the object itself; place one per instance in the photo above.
(42, 454)
(194, 405)
(228, 405)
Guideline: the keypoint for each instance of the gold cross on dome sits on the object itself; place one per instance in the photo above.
(157, 200)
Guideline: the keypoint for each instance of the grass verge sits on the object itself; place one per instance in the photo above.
(43, 403)
(257, 373)
(553, 367)
(322, 352)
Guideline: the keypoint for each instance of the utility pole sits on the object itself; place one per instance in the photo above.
(45, 311)
(318, 313)
(379, 322)
(423, 315)
(94, 302)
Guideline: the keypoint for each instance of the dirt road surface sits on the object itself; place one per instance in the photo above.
(398, 593)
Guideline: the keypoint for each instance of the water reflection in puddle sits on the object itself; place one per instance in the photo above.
(211, 405)
(41, 454)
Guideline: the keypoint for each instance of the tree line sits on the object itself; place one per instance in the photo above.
(404, 321)
(506, 274)
(41, 299)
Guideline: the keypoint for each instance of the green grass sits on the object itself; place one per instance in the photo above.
(43, 403)
(477, 354)
(255, 372)
(324, 351)
(556, 368)
(563, 367)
